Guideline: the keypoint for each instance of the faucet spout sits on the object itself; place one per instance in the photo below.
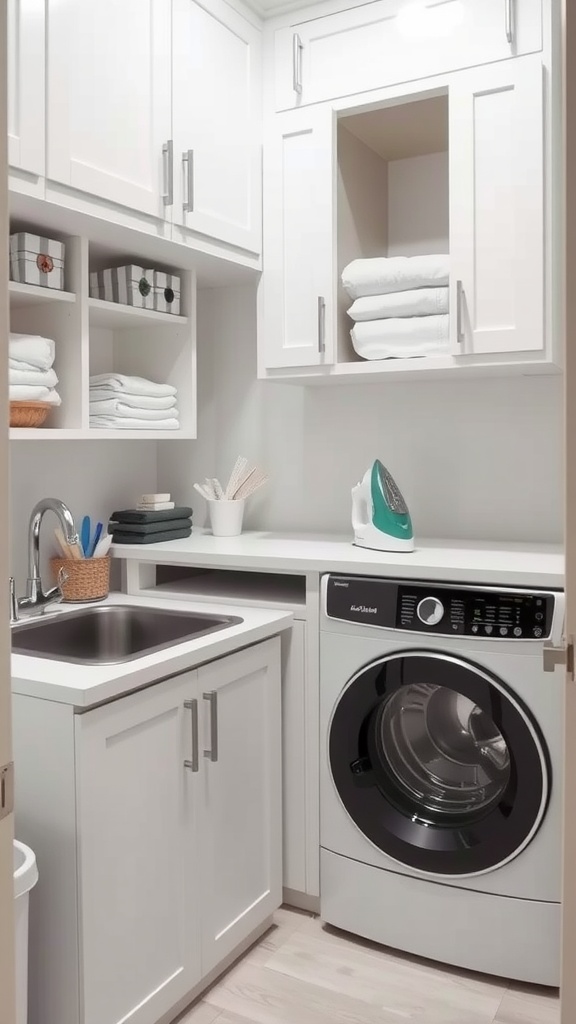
(36, 597)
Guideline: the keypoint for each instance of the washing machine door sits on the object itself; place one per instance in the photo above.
(438, 763)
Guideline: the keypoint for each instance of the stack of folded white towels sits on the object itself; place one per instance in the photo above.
(120, 402)
(30, 374)
(400, 305)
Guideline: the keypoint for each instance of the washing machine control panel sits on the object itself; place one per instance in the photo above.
(497, 614)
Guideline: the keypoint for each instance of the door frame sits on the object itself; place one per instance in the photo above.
(7, 971)
(568, 975)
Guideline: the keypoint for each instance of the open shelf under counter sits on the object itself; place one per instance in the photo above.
(270, 590)
(32, 294)
(116, 316)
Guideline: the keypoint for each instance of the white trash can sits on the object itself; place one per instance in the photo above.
(25, 877)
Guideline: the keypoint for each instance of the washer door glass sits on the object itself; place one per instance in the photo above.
(438, 763)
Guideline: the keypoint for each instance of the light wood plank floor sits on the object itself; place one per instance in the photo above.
(303, 973)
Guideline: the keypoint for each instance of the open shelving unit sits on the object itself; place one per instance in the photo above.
(93, 336)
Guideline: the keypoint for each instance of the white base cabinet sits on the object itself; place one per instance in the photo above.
(169, 829)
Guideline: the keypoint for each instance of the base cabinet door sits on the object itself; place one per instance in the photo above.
(496, 208)
(26, 117)
(241, 823)
(294, 760)
(216, 123)
(139, 927)
(109, 100)
(297, 304)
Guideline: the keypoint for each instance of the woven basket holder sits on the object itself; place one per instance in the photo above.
(88, 578)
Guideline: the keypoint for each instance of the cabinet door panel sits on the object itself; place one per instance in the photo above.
(26, 85)
(496, 208)
(216, 59)
(370, 47)
(242, 802)
(299, 205)
(139, 929)
(109, 102)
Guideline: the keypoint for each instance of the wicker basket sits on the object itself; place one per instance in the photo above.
(88, 578)
(29, 414)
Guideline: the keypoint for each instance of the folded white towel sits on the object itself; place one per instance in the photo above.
(122, 423)
(121, 384)
(29, 393)
(43, 378)
(401, 337)
(382, 275)
(32, 349)
(115, 407)
(98, 394)
(415, 302)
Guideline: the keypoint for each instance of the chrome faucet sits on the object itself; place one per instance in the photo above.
(36, 598)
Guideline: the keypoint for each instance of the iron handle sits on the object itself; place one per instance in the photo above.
(509, 20)
(212, 698)
(459, 312)
(297, 63)
(321, 324)
(188, 161)
(168, 172)
(192, 705)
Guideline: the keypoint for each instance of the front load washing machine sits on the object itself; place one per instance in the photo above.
(441, 762)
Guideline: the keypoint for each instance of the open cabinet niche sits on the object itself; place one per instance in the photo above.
(392, 190)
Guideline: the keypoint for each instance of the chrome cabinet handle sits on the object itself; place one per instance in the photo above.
(192, 705)
(459, 312)
(509, 20)
(188, 161)
(212, 698)
(168, 172)
(297, 63)
(321, 324)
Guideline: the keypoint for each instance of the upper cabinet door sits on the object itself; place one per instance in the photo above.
(139, 927)
(298, 285)
(217, 122)
(109, 102)
(241, 826)
(26, 85)
(496, 209)
(379, 44)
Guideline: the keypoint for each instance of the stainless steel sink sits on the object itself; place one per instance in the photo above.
(112, 633)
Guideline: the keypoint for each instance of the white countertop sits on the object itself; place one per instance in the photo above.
(486, 562)
(85, 685)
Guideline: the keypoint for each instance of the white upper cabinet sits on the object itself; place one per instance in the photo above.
(297, 299)
(26, 85)
(380, 44)
(137, 805)
(242, 797)
(216, 122)
(109, 100)
(496, 209)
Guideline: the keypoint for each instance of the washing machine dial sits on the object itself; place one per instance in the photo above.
(430, 610)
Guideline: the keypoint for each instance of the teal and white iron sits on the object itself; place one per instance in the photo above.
(380, 517)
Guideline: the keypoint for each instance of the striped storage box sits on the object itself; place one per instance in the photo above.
(37, 260)
(133, 286)
(166, 292)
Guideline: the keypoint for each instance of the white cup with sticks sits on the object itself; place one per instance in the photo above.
(226, 504)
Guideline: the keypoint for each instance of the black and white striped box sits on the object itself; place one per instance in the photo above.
(131, 285)
(35, 259)
(166, 292)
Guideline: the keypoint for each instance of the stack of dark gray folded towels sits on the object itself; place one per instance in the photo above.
(132, 526)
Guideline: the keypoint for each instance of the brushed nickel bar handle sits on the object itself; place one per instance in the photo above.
(509, 20)
(297, 63)
(192, 705)
(168, 172)
(212, 698)
(460, 339)
(321, 324)
(188, 159)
